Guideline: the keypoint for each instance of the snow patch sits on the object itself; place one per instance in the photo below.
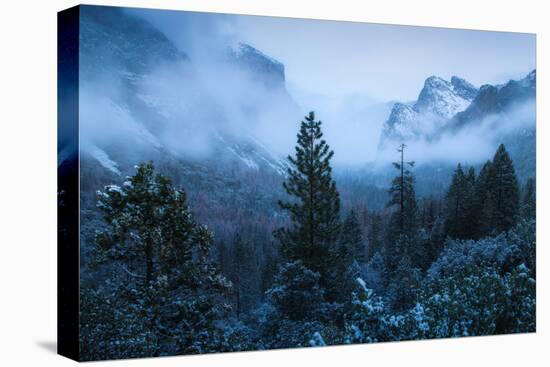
(246, 160)
(103, 159)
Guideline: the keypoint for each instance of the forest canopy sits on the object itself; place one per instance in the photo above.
(159, 282)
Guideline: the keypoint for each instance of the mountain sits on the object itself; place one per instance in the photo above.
(443, 99)
(269, 71)
(496, 99)
(438, 101)
(137, 84)
(455, 111)
(110, 38)
(205, 123)
(508, 111)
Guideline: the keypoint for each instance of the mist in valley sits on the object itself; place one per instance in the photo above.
(187, 121)
(210, 93)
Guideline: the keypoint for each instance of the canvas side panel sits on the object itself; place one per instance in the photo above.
(68, 184)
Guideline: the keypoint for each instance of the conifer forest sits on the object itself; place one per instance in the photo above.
(218, 214)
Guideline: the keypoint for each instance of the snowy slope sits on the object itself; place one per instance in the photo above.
(438, 101)
(149, 96)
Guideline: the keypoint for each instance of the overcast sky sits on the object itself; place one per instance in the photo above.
(386, 62)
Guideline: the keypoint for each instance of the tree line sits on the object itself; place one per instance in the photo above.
(335, 278)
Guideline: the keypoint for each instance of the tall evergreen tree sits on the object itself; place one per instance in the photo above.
(481, 203)
(314, 207)
(402, 195)
(503, 200)
(404, 222)
(459, 202)
(346, 259)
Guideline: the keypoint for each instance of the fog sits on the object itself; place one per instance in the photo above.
(193, 103)
(473, 144)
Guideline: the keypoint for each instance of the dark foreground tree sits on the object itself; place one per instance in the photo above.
(500, 209)
(459, 202)
(481, 204)
(505, 191)
(347, 257)
(163, 296)
(298, 311)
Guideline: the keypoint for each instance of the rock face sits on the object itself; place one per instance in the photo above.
(113, 39)
(443, 99)
(137, 82)
(444, 107)
(502, 113)
(438, 101)
(497, 99)
(270, 71)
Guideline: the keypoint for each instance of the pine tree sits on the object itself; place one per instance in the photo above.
(503, 199)
(162, 274)
(346, 259)
(315, 206)
(296, 293)
(404, 222)
(402, 195)
(459, 203)
(470, 222)
(481, 204)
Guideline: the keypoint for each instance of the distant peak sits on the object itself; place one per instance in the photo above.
(458, 81)
(436, 81)
(267, 70)
(463, 88)
(242, 49)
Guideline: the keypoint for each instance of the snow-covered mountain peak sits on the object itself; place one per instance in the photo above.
(444, 99)
(437, 102)
(402, 123)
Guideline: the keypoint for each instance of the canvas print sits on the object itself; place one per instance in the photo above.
(234, 183)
